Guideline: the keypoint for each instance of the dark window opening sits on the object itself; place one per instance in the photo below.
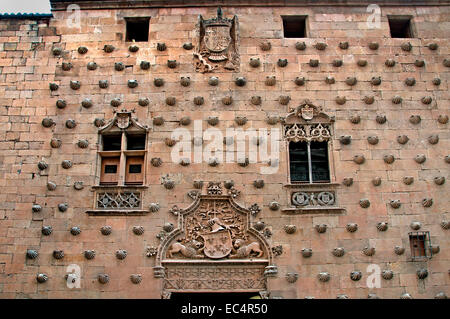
(294, 26)
(134, 169)
(400, 27)
(420, 245)
(137, 29)
(309, 163)
(135, 142)
(110, 169)
(112, 142)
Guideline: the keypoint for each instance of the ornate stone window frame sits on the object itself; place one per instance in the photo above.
(308, 123)
(120, 199)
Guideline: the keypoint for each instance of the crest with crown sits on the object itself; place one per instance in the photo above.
(218, 21)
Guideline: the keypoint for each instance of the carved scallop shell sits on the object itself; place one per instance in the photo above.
(313, 63)
(270, 80)
(355, 119)
(300, 80)
(373, 45)
(161, 46)
(103, 278)
(60, 104)
(420, 158)
(362, 62)
(330, 80)
(376, 80)
(213, 120)
(116, 102)
(389, 62)
(406, 46)
(359, 159)
(51, 186)
(321, 228)
(98, 122)
(402, 139)
(75, 85)
(446, 62)
(399, 250)
(427, 99)
(154, 207)
(373, 140)
(259, 183)
(320, 46)
(136, 278)
(53, 86)
(419, 63)
(66, 66)
(273, 205)
(57, 51)
(395, 203)
(42, 165)
(138, 230)
(58, 254)
(171, 100)
(337, 63)
(433, 139)
(364, 203)
(256, 100)
(389, 159)
(290, 229)
(300, 46)
(282, 63)
(436, 81)
(415, 119)
(427, 202)
(340, 100)
(89, 254)
(355, 275)
(48, 122)
(376, 181)
(435, 249)
(144, 65)
(240, 81)
(338, 251)
(132, 84)
(70, 123)
(284, 99)
(32, 254)
(213, 81)
(439, 180)
(369, 99)
(408, 180)
(36, 208)
(228, 184)
(291, 277)
(433, 46)
(324, 276)
(121, 254)
(348, 181)
(441, 295)
(78, 185)
(343, 45)
(108, 48)
(172, 64)
(254, 62)
(103, 84)
(185, 161)
(406, 296)
(41, 278)
(66, 164)
(369, 251)
(227, 100)
(381, 119)
(240, 120)
(397, 99)
(410, 81)
(307, 252)
(185, 81)
(106, 230)
(265, 46)
(143, 101)
(185, 120)
(382, 226)
(156, 161)
(243, 162)
(199, 100)
(46, 230)
(75, 230)
(415, 225)
(443, 119)
(213, 161)
(169, 184)
(422, 273)
(352, 227)
(91, 66)
(158, 82)
(345, 139)
(387, 274)
(158, 120)
(187, 46)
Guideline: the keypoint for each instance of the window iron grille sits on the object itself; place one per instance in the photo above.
(420, 244)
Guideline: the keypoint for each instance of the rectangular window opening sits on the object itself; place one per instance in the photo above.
(294, 26)
(112, 142)
(309, 163)
(110, 171)
(137, 29)
(134, 171)
(420, 245)
(401, 27)
(135, 142)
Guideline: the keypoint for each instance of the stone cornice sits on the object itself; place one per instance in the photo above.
(58, 5)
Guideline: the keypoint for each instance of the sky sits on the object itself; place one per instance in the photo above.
(25, 6)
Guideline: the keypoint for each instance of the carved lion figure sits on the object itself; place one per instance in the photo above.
(240, 250)
(190, 250)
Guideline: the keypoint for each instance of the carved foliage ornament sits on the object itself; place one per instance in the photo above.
(218, 44)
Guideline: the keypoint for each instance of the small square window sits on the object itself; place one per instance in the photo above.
(401, 26)
(112, 142)
(294, 26)
(420, 245)
(135, 142)
(137, 29)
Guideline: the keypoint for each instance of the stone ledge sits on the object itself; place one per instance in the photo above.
(312, 185)
(313, 210)
(118, 212)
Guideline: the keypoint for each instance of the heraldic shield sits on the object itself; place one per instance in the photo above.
(217, 244)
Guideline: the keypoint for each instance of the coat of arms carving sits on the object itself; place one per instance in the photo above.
(218, 44)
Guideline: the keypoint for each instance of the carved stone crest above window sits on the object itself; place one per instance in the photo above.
(217, 47)
(123, 120)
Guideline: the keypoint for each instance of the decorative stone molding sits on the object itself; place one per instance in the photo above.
(151, 251)
(118, 200)
(259, 226)
(218, 44)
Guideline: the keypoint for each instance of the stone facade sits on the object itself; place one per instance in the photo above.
(378, 193)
